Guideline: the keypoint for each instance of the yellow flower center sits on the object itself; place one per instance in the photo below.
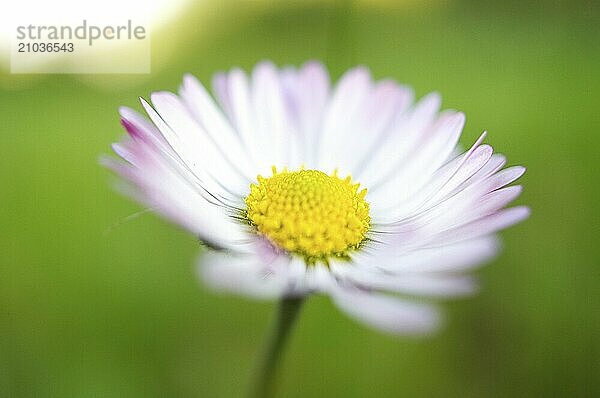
(310, 213)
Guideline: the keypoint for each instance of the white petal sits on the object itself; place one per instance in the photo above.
(407, 283)
(244, 98)
(461, 209)
(408, 130)
(145, 147)
(194, 145)
(441, 183)
(220, 84)
(187, 161)
(244, 274)
(385, 102)
(477, 161)
(215, 124)
(348, 97)
(457, 257)
(422, 163)
(469, 205)
(171, 192)
(484, 226)
(274, 128)
(503, 178)
(319, 278)
(491, 203)
(386, 313)
(308, 92)
(241, 113)
(476, 201)
(496, 162)
(125, 152)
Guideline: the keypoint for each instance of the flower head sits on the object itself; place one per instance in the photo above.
(309, 213)
(299, 187)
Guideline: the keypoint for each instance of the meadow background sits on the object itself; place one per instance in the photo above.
(94, 307)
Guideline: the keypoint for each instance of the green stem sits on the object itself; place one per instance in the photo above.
(266, 376)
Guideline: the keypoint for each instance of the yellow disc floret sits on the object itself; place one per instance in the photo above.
(309, 213)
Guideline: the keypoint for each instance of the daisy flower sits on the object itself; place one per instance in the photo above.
(301, 186)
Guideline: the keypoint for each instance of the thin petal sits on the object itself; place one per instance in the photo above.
(484, 226)
(307, 92)
(386, 313)
(411, 284)
(457, 257)
(215, 124)
(172, 193)
(421, 164)
(194, 145)
(407, 132)
(348, 97)
(452, 174)
(244, 274)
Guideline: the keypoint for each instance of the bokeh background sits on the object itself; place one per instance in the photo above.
(94, 304)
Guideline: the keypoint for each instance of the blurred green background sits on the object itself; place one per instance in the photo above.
(94, 307)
